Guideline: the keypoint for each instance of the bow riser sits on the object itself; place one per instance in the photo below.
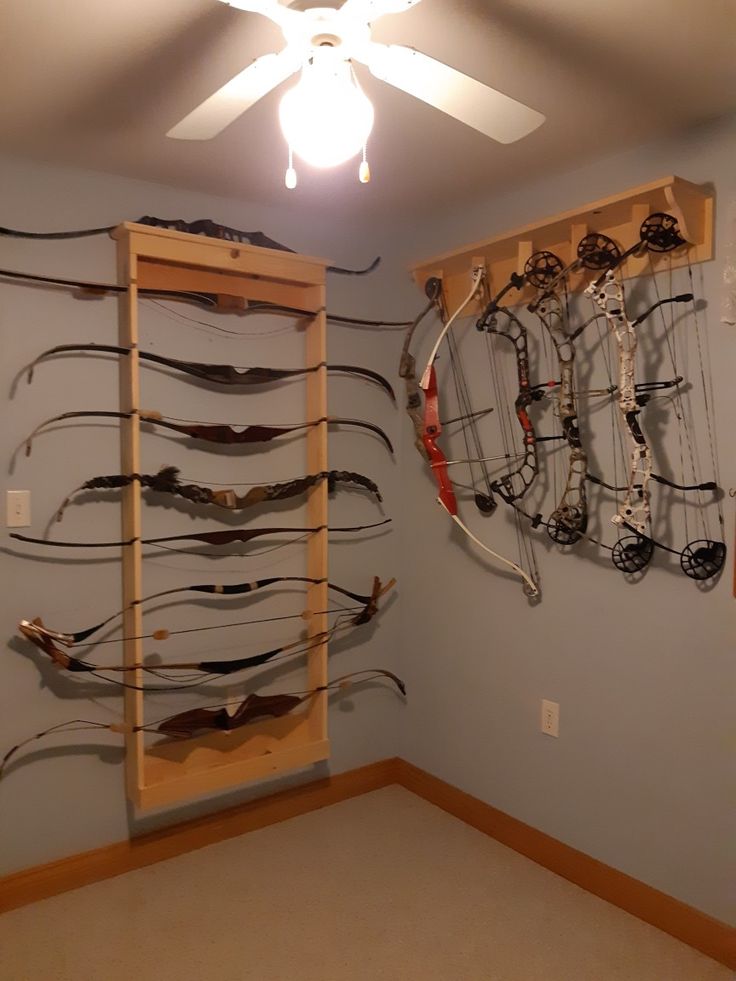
(635, 509)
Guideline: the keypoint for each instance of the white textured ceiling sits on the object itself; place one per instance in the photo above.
(97, 84)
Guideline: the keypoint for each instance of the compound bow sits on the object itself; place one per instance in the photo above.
(701, 559)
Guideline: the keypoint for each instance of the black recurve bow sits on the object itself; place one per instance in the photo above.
(201, 226)
(224, 433)
(218, 717)
(237, 305)
(218, 374)
(223, 537)
(207, 668)
(70, 639)
(167, 481)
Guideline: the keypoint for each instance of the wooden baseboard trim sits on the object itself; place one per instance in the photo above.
(42, 881)
(710, 936)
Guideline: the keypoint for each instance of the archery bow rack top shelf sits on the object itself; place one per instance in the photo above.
(155, 258)
(619, 216)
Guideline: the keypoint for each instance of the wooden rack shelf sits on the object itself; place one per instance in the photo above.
(155, 258)
(619, 217)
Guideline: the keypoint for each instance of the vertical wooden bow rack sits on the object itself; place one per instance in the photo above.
(155, 258)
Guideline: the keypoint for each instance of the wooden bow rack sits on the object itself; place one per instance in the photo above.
(154, 258)
(619, 217)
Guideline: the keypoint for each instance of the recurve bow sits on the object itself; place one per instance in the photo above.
(220, 537)
(201, 226)
(217, 374)
(35, 632)
(438, 461)
(223, 433)
(167, 481)
(210, 718)
(71, 639)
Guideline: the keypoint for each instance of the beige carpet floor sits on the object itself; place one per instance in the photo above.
(384, 886)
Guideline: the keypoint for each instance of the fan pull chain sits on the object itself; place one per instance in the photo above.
(290, 178)
(364, 171)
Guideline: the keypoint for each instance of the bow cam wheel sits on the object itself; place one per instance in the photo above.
(566, 525)
(632, 553)
(703, 559)
(598, 251)
(661, 232)
(485, 503)
(541, 268)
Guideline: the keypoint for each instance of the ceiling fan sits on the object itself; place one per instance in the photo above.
(326, 118)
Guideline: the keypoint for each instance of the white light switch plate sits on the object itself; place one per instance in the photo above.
(18, 509)
(550, 721)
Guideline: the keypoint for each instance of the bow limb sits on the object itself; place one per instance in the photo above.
(530, 587)
(477, 279)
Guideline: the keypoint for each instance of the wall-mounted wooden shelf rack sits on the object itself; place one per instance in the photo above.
(619, 217)
(155, 258)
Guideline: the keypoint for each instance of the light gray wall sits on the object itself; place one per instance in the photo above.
(642, 775)
(67, 793)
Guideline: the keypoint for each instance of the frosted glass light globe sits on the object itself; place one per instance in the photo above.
(326, 118)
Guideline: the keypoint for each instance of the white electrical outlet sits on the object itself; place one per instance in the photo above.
(550, 722)
(18, 509)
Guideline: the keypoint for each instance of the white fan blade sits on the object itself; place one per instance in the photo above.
(268, 8)
(237, 95)
(490, 112)
(370, 10)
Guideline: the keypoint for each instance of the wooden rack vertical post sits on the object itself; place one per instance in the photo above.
(160, 259)
(131, 515)
(317, 508)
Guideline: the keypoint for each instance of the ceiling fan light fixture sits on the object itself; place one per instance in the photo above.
(326, 117)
